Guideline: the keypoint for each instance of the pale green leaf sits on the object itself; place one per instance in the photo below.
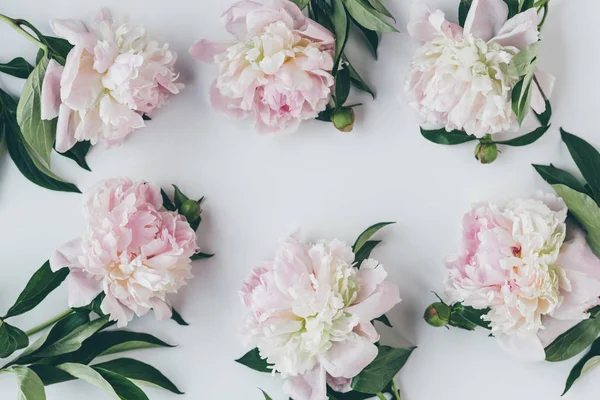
(88, 374)
(30, 385)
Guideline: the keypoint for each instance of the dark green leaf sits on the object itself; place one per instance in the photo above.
(201, 256)
(51, 375)
(39, 134)
(177, 318)
(122, 386)
(466, 317)
(526, 139)
(556, 176)
(357, 81)
(367, 234)
(378, 5)
(41, 284)
(17, 67)
(441, 136)
(73, 340)
(521, 95)
(587, 159)
(384, 320)
(267, 397)
(146, 117)
(587, 363)
(326, 114)
(371, 36)
(78, 153)
(513, 7)
(139, 371)
(367, 16)
(301, 3)
(180, 198)
(341, 29)
(365, 252)
(11, 339)
(377, 375)
(546, 116)
(58, 48)
(252, 360)
(342, 86)
(95, 305)
(463, 11)
(167, 203)
(527, 4)
(575, 340)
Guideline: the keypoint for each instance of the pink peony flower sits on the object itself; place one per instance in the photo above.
(114, 75)
(310, 315)
(460, 77)
(515, 262)
(133, 250)
(277, 68)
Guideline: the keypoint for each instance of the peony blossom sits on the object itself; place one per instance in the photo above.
(460, 77)
(114, 75)
(133, 250)
(310, 315)
(516, 262)
(277, 68)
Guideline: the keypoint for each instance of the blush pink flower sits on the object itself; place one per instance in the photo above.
(114, 75)
(277, 68)
(310, 315)
(133, 250)
(515, 261)
(460, 77)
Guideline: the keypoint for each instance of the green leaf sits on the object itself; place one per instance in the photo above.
(78, 153)
(523, 62)
(301, 3)
(367, 234)
(30, 385)
(253, 360)
(38, 134)
(139, 371)
(556, 176)
(267, 397)
(526, 5)
(367, 16)
(17, 67)
(11, 339)
(124, 388)
(587, 159)
(341, 29)
(575, 340)
(365, 252)
(378, 5)
(521, 95)
(371, 36)
(468, 318)
(342, 86)
(50, 375)
(41, 284)
(384, 320)
(441, 136)
(585, 365)
(526, 139)
(463, 11)
(58, 48)
(31, 168)
(586, 211)
(356, 79)
(73, 340)
(376, 376)
(545, 117)
(90, 375)
(180, 198)
(513, 7)
(167, 203)
(177, 318)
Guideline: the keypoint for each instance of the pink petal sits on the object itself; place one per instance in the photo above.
(66, 255)
(486, 18)
(347, 358)
(82, 290)
(65, 129)
(50, 101)
(525, 347)
(309, 386)
(317, 32)
(369, 277)
(426, 26)
(80, 83)
(546, 82)
(162, 311)
(226, 105)
(235, 18)
(104, 15)
(381, 301)
(117, 311)
(368, 331)
(340, 385)
(553, 328)
(205, 50)
(73, 31)
(519, 31)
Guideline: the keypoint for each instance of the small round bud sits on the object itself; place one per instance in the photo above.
(343, 119)
(486, 153)
(190, 209)
(437, 315)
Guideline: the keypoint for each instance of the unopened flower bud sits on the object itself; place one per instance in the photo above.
(190, 209)
(437, 315)
(486, 153)
(343, 119)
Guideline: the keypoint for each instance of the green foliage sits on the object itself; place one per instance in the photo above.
(576, 339)
(253, 360)
(441, 136)
(377, 375)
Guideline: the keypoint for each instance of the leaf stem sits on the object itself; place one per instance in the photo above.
(16, 25)
(395, 390)
(48, 323)
(545, 7)
(380, 396)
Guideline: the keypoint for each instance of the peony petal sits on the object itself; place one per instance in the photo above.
(369, 276)
(519, 31)
(317, 32)
(205, 50)
(81, 85)
(349, 357)
(486, 18)
(74, 32)
(526, 347)
(162, 311)
(82, 289)
(66, 255)
(309, 386)
(340, 385)
(104, 15)
(50, 101)
(226, 105)
(546, 84)
(425, 26)
(117, 311)
(383, 299)
(235, 18)
(553, 328)
(65, 129)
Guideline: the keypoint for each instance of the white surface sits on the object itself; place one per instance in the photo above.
(328, 183)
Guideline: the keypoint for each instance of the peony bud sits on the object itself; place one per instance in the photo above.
(343, 119)
(437, 315)
(190, 209)
(486, 153)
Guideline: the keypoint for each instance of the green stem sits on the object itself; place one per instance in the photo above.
(541, 25)
(380, 396)
(48, 323)
(395, 390)
(16, 25)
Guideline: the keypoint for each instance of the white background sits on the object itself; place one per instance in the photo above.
(328, 184)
